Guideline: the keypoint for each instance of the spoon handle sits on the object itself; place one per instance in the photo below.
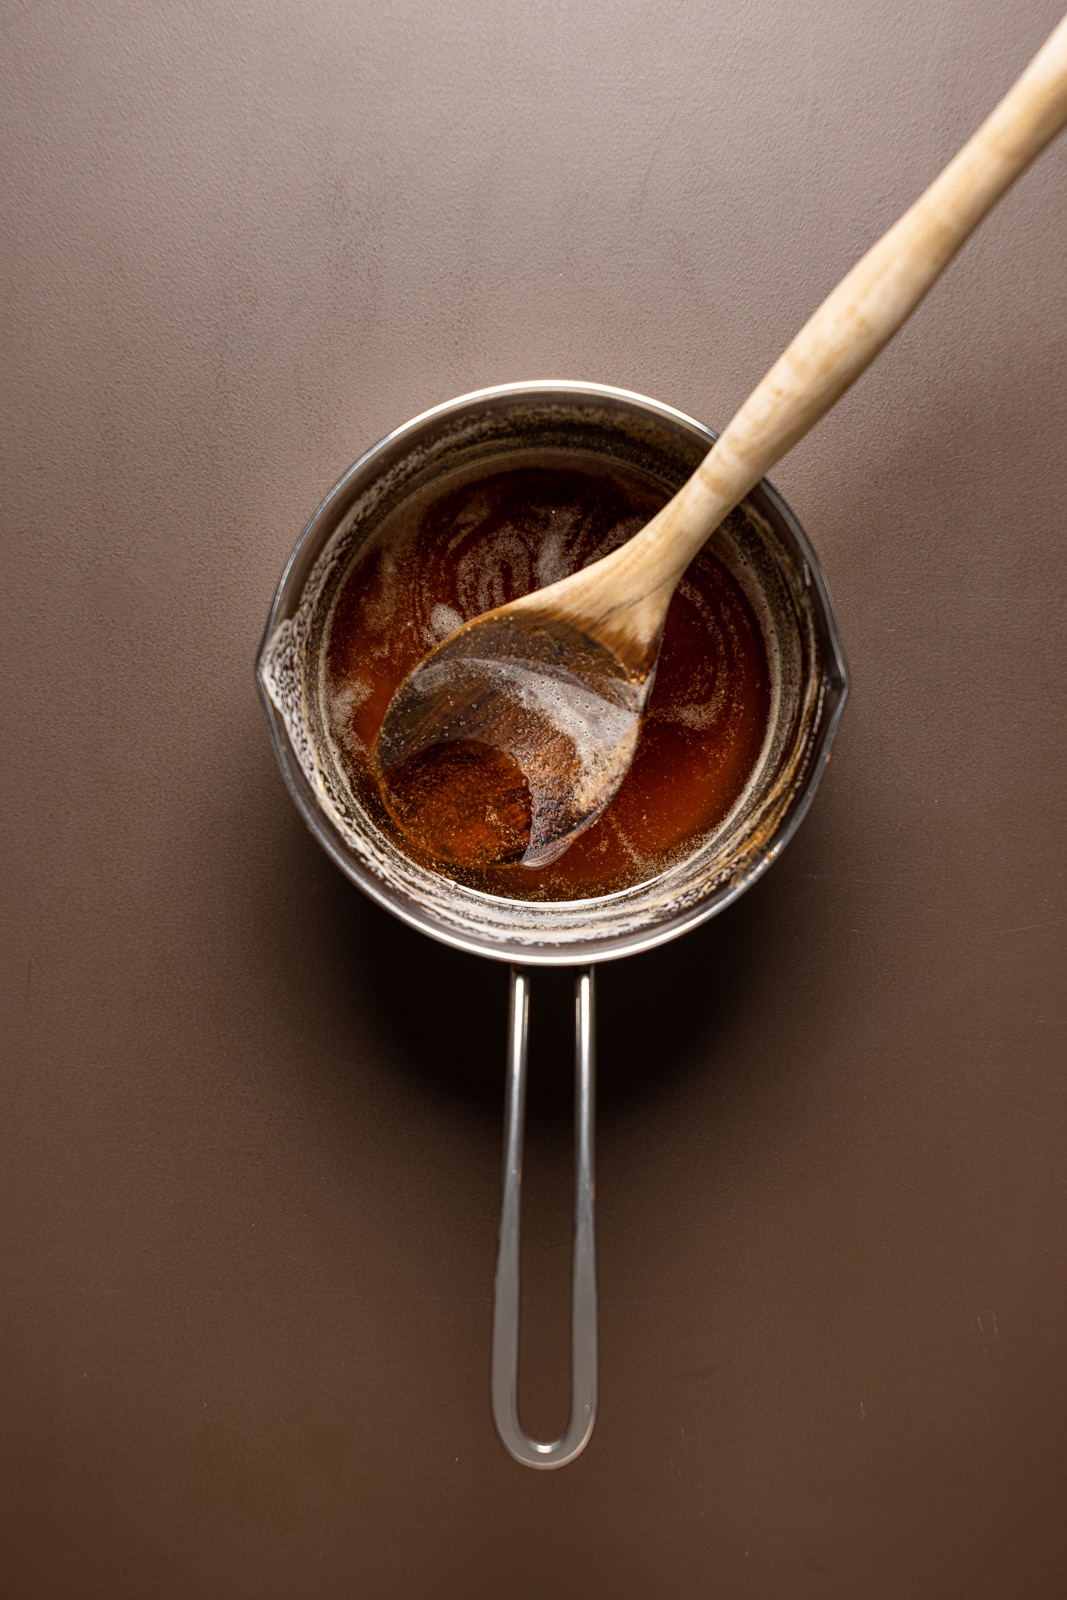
(855, 321)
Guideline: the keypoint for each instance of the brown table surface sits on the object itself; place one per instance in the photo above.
(252, 1125)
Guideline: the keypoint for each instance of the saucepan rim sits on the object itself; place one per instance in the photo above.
(598, 946)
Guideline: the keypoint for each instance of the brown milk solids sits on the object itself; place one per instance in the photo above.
(464, 803)
(454, 553)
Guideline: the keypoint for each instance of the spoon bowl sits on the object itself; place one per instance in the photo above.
(547, 720)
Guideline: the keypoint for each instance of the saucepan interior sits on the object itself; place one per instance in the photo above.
(761, 543)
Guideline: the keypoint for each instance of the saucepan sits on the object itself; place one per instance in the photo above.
(768, 553)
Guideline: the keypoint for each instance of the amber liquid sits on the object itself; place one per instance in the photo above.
(457, 553)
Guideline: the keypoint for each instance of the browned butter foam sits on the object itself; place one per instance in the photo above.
(455, 553)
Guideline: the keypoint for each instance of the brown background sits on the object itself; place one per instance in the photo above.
(251, 1124)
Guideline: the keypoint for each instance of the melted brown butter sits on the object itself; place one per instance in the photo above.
(459, 553)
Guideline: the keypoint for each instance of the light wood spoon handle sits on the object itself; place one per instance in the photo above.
(828, 354)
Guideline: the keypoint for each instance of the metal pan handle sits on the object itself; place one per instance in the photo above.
(583, 1275)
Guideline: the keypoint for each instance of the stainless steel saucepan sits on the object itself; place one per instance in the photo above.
(767, 551)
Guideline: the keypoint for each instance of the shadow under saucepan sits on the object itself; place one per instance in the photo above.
(445, 1012)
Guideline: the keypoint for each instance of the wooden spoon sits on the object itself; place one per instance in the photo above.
(513, 735)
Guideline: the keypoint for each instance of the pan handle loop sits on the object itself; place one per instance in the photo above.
(583, 1273)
